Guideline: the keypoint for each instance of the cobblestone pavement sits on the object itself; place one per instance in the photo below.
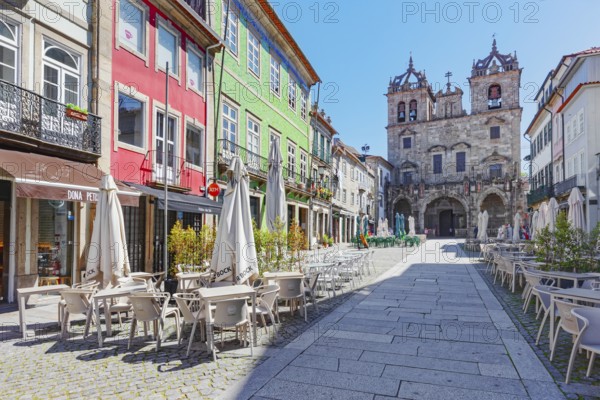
(580, 386)
(42, 366)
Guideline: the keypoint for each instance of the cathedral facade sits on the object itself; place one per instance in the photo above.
(450, 164)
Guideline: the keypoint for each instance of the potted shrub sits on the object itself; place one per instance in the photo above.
(75, 112)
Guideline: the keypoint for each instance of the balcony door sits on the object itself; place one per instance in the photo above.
(160, 164)
(61, 86)
(9, 95)
(253, 161)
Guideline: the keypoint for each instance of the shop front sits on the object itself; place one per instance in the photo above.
(47, 206)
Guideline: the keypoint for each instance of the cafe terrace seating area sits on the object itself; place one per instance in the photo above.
(560, 309)
(202, 313)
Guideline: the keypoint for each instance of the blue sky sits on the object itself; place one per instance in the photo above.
(356, 46)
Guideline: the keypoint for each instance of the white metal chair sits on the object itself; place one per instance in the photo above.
(233, 313)
(588, 338)
(192, 312)
(77, 301)
(293, 289)
(543, 293)
(312, 279)
(266, 304)
(329, 276)
(152, 307)
(567, 322)
(90, 285)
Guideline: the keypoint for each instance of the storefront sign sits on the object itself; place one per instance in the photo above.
(61, 193)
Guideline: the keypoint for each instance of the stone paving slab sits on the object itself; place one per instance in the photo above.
(400, 329)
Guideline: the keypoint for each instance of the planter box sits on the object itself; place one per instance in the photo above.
(76, 114)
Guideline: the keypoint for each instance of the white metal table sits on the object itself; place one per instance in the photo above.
(24, 293)
(225, 293)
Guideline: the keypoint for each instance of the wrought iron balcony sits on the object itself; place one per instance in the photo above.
(565, 186)
(31, 118)
(258, 165)
(179, 171)
(540, 194)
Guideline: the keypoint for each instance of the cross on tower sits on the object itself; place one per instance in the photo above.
(448, 75)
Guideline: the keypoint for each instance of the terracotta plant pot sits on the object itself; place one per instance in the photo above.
(76, 114)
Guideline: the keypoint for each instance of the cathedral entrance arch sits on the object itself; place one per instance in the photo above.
(446, 216)
(495, 205)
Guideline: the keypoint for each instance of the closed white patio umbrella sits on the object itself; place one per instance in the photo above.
(108, 246)
(234, 255)
(484, 225)
(551, 214)
(275, 196)
(534, 225)
(542, 222)
(575, 216)
(411, 226)
(517, 227)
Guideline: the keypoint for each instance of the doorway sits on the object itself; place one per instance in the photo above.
(5, 197)
(446, 223)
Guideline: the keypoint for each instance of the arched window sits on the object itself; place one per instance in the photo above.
(401, 112)
(494, 97)
(8, 52)
(61, 75)
(412, 114)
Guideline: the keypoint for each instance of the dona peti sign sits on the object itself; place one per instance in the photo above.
(82, 195)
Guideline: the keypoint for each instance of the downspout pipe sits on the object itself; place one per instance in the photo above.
(207, 52)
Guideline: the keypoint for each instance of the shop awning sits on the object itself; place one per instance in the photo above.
(52, 178)
(181, 202)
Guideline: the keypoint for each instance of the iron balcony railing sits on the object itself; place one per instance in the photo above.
(565, 186)
(259, 165)
(539, 194)
(27, 114)
(178, 170)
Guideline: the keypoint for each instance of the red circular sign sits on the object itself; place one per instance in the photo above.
(214, 189)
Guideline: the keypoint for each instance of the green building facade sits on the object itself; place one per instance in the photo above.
(262, 94)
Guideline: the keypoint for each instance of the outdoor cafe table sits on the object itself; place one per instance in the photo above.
(574, 277)
(282, 275)
(226, 293)
(24, 293)
(105, 295)
(187, 280)
(575, 294)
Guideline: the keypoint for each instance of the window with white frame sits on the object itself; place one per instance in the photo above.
(292, 94)
(61, 74)
(131, 115)
(344, 168)
(275, 76)
(291, 158)
(580, 123)
(351, 199)
(230, 126)
(302, 104)
(9, 52)
(231, 37)
(194, 141)
(253, 54)
(167, 49)
(344, 196)
(253, 144)
(132, 25)
(195, 76)
(170, 142)
(303, 166)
